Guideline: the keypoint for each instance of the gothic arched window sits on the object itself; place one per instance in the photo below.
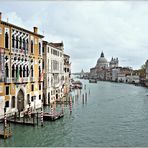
(6, 40)
(17, 41)
(13, 71)
(16, 72)
(27, 44)
(20, 71)
(7, 70)
(24, 44)
(13, 41)
(39, 48)
(32, 71)
(31, 46)
(27, 71)
(20, 43)
(39, 71)
(24, 71)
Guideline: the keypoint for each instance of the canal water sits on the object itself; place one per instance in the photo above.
(114, 114)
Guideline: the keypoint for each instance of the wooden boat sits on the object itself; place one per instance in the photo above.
(92, 81)
(48, 116)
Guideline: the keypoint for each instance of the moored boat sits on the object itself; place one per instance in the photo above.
(76, 85)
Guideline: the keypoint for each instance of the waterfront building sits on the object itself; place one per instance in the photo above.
(21, 73)
(124, 74)
(67, 74)
(82, 74)
(145, 80)
(121, 77)
(53, 60)
(103, 68)
(114, 63)
(115, 72)
(146, 69)
(132, 79)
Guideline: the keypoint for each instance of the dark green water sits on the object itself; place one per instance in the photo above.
(114, 115)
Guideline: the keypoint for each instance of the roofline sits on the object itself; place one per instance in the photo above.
(67, 55)
(50, 44)
(20, 28)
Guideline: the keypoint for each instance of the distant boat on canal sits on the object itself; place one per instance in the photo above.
(92, 81)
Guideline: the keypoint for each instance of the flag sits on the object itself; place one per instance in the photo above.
(42, 75)
(21, 50)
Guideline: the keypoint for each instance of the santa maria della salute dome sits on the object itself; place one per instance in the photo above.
(103, 67)
(102, 62)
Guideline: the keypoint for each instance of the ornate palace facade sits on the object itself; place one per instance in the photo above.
(21, 68)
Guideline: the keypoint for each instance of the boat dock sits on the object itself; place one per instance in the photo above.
(48, 116)
(25, 120)
(20, 121)
(5, 132)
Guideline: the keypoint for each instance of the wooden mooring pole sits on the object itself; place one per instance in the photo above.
(37, 118)
(5, 123)
(70, 104)
(83, 98)
(86, 97)
(41, 116)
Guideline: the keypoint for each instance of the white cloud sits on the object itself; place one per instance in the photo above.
(86, 28)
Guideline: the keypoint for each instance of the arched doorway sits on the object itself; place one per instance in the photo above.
(20, 101)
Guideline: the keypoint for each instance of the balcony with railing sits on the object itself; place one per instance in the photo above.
(8, 80)
(20, 80)
(20, 51)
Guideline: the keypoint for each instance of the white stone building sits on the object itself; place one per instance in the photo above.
(132, 79)
(67, 74)
(121, 77)
(54, 72)
(115, 73)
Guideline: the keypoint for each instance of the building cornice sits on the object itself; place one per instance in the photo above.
(20, 28)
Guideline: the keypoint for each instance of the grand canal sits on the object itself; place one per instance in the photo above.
(114, 115)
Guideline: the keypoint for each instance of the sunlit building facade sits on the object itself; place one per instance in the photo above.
(21, 74)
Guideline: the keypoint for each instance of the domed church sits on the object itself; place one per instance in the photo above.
(103, 67)
(102, 62)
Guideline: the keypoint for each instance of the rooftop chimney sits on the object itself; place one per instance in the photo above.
(0, 16)
(35, 30)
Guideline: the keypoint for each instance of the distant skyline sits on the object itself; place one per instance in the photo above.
(118, 28)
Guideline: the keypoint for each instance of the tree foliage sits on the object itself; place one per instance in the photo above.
(142, 71)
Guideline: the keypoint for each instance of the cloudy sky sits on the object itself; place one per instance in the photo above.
(120, 29)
